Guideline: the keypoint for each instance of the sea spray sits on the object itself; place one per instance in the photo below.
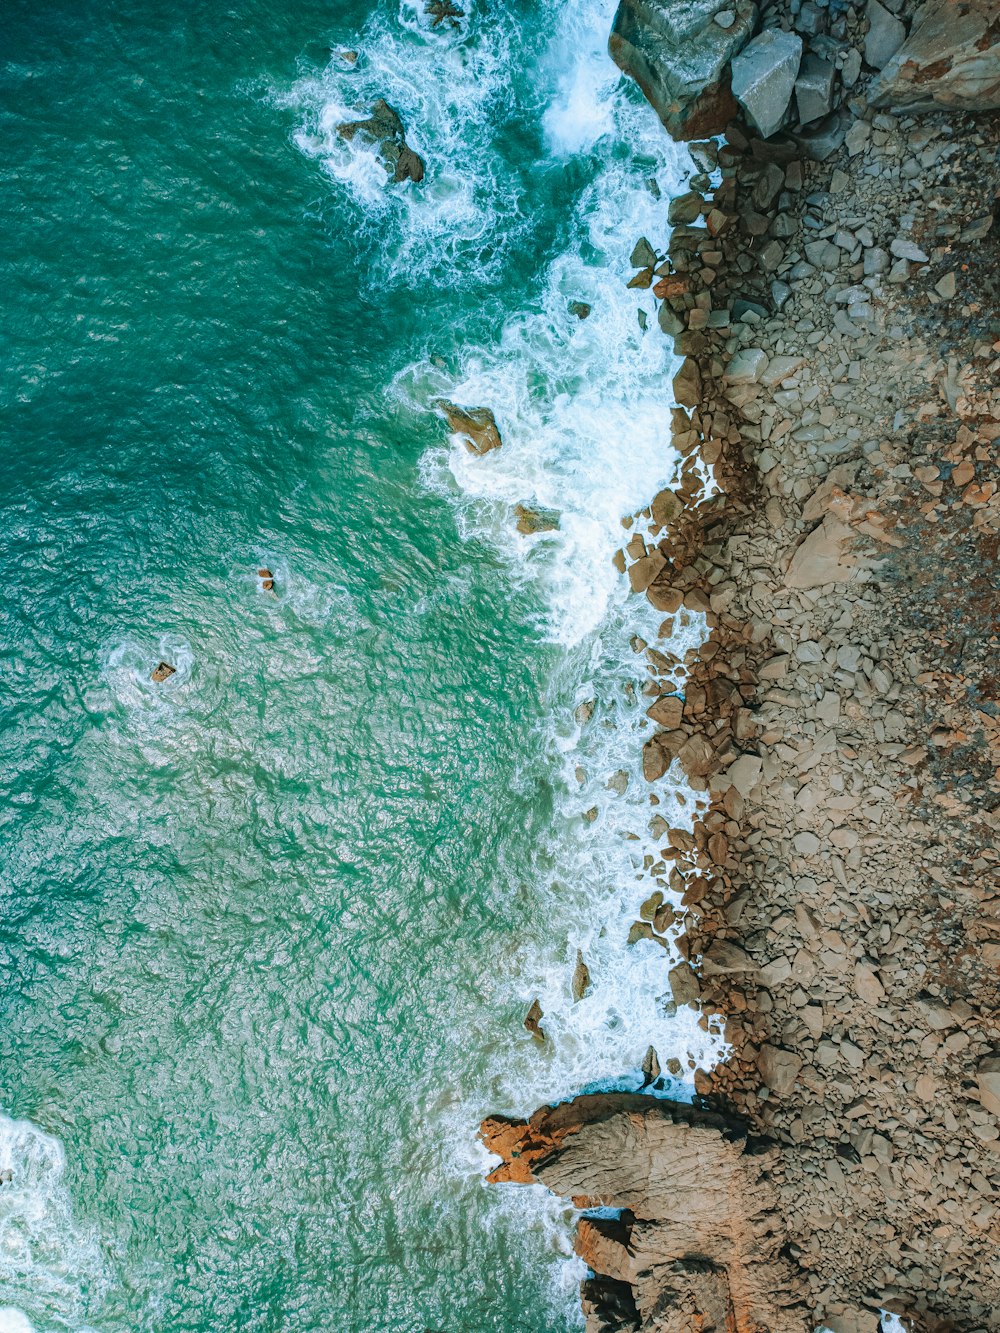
(48, 1263)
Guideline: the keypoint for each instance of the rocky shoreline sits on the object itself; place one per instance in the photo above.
(832, 282)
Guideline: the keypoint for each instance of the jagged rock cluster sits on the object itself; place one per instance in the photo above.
(792, 66)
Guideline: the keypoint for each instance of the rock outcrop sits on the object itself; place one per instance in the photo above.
(477, 426)
(951, 59)
(697, 1244)
(384, 128)
(678, 52)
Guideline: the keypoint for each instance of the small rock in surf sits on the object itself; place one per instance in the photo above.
(385, 129)
(266, 579)
(162, 671)
(476, 425)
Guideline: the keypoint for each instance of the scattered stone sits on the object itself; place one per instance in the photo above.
(684, 984)
(988, 1076)
(643, 255)
(814, 89)
(904, 249)
(747, 366)
(476, 426)
(764, 75)
(162, 671)
(650, 1067)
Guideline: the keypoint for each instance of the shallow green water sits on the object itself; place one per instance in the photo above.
(267, 930)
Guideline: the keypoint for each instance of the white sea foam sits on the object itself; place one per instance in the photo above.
(449, 88)
(47, 1262)
(583, 409)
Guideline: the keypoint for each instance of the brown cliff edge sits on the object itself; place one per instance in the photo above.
(837, 299)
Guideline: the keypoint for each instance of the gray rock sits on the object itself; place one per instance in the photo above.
(684, 984)
(814, 89)
(951, 58)
(384, 128)
(885, 36)
(678, 55)
(904, 249)
(780, 292)
(811, 21)
(850, 70)
(764, 76)
(685, 208)
(779, 1069)
(643, 255)
(725, 18)
(822, 139)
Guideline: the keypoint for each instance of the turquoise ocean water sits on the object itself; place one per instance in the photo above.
(268, 930)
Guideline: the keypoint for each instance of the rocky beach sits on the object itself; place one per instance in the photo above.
(831, 280)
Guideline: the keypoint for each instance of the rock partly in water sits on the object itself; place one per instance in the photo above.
(885, 35)
(698, 1246)
(476, 425)
(266, 579)
(678, 56)
(764, 75)
(532, 519)
(386, 131)
(579, 308)
(443, 11)
(951, 58)
(162, 671)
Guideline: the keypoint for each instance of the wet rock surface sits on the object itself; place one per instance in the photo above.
(695, 1246)
(477, 426)
(386, 131)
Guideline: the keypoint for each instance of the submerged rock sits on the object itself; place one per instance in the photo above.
(579, 308)
(531, 520)
(678, 55)
(476, 425)
(163, 671)
(385, 129)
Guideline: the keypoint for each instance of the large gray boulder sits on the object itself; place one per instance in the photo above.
(678, 55)
(885, 35)
(951, 58)
(764, 75)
